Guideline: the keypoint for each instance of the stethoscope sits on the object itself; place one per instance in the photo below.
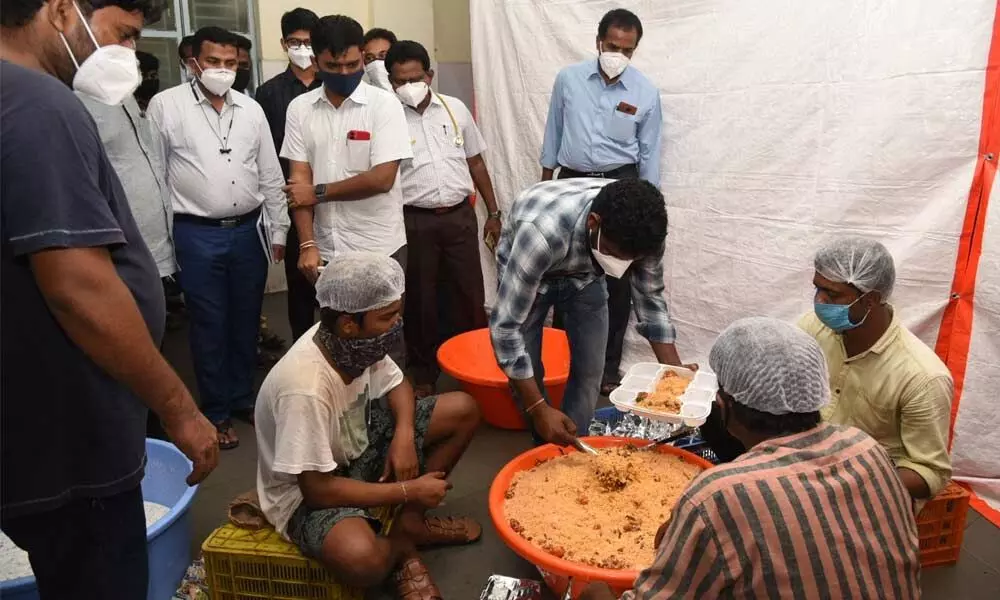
(459, 141)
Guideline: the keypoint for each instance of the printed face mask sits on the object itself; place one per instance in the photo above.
(354, 355)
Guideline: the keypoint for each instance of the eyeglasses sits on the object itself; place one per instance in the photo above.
(295, 44)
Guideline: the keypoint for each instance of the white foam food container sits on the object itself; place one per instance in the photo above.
(696, 401)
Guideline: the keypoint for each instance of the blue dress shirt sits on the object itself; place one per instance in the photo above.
(587, 133)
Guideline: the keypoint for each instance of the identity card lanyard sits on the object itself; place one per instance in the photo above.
(223, 142)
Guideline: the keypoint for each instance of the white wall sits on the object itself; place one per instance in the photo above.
(442, 26)
(270, 11)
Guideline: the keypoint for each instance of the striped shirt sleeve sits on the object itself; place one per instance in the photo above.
(648, 295)
(689, 563)
(530, 258)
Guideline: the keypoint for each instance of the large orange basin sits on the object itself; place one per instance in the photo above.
(556, 571)
(469, 358)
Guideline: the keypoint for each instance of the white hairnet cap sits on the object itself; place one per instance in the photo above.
(863, 263)
(771, 366)
(356, 282)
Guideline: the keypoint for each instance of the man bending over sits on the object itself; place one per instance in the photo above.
(339, 433)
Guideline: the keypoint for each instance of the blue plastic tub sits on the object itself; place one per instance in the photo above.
(168, 540)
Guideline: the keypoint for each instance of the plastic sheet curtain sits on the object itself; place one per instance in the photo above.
(786, 123)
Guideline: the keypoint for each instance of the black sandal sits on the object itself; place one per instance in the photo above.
(223, 428)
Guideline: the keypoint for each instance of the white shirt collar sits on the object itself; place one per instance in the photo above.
(359, 96)
(435, 101)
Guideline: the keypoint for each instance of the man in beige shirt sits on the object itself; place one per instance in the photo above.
(883, 379)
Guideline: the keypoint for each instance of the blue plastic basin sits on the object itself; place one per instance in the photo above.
(168, 541)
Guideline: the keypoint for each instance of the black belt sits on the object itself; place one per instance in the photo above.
(626, 172)
(437, 211)
(226, 223)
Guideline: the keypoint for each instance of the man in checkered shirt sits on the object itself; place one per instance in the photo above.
(561, 241)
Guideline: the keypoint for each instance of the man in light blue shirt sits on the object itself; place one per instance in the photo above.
(604, 121)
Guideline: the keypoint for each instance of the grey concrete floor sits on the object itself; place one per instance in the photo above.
(975, 577)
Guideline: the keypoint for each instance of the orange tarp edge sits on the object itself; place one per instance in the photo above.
(955, 336)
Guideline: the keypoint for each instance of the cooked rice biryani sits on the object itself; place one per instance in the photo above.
(603, 510)
(667, 395)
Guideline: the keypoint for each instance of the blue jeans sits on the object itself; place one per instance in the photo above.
(585, 319)
(223, 273)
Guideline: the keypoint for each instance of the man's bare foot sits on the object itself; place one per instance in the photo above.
(227, 435)
(413, 581)
(428, 532)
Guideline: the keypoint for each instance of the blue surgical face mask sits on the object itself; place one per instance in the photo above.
(340, 84)
(838, 316)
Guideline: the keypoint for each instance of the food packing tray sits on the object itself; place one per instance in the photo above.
(696, 401)
(499, 587)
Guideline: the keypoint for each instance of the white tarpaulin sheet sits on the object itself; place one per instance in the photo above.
(975, 453)
(785, 123)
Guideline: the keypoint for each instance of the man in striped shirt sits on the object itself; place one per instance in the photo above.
(811, 511)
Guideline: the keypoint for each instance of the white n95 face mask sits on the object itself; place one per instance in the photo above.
(217, 81)
(613, 63)
(301, 57)
(412, 94)
(108, 75)
(378, 75)
(612, 265)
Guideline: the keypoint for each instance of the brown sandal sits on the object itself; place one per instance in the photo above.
(450, 531)
(413, 582)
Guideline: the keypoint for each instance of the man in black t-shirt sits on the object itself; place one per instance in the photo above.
(274, 96)
(81, 308)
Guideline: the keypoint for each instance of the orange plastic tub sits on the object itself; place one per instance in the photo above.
(556, 571)
(469, 358)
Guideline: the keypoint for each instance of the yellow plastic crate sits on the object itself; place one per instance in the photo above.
(261, 565)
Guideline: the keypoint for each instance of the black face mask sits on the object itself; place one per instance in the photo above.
(147, 89)
(242, 80)
(340, 84)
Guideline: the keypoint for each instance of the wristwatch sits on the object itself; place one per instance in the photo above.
(321, 191)
(495, 215)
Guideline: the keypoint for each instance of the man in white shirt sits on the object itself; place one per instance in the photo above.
(377, 44)
(221, 168)
(441, 226)
(344, 142)
(339, 433)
